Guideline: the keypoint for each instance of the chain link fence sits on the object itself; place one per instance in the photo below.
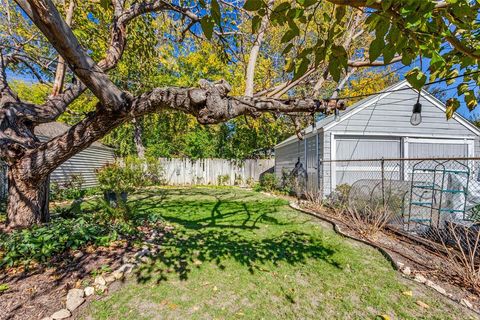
(434, 198)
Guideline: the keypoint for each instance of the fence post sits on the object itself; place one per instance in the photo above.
(382, 163)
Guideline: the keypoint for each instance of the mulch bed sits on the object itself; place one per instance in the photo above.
(404, 251)
(39, 293)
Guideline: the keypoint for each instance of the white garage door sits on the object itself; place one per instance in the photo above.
(438, 148)
(354, 148)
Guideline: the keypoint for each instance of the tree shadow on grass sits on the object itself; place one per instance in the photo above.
(221, 210)
(220, 226)
(181, 251)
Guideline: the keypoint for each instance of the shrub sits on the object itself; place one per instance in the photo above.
(250, 182)
(223, 180)
(71, 189)
(288, 182)
(238, 180)
(461, 246)
(117, 178)
(269, 182)
(153, 172)
(40, 243)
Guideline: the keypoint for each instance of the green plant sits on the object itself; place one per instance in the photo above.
(269, 182)
(105, 268)
(223, 180)
(287, 182)
(117, 178)
(40, 243)
(4, 287)
(71, 189)
(250, 182)
(105, 213)
(238, 180)
(153, 172)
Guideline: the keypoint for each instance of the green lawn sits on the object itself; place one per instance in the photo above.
(237, 254)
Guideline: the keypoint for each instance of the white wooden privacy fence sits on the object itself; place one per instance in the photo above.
(214, 171)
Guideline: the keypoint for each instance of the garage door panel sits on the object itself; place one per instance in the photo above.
(361, 148)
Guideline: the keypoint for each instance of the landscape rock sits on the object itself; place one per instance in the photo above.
(142, 253)
(75, 297)
(61, 314)
(117, 274)
(89, 291)
(406, 271)
(423, 304)
(126, 268)
(100, 281)
(78, 255)
(109, 278)
(400, 264)
(47, 318)
(466, 303)
(145, 259)
(435, 287)
(102, 288)
(420, 278)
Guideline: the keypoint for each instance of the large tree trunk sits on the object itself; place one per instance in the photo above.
(27, 201)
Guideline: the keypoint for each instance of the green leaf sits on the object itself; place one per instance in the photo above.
(253, 5)
(289, 35)
(470, 99)
(339, 51)
(416, 78)
(287, 49)
(256, 21)
(302, 68)
(388, 53)
(215, 12)
(452, 106)
(307, 3)
(386, 4)
(282, 7)
(334, 69)
(340, 13)
(452, 75)
(207, 26)
(462, 88)
(105, 4)
(375, 50)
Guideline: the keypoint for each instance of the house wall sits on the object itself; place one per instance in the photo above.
(287, 155)
(84, 163)
(383, 129)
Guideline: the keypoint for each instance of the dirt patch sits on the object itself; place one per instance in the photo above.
(405, 252)
(39, 293)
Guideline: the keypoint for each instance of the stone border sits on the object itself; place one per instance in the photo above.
(405, 270)
(77, 296)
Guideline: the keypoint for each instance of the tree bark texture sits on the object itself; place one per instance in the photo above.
(61, 68)
(27, 200)
(137, 138)
(252, 60)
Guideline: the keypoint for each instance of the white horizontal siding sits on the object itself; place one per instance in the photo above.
(83, 163)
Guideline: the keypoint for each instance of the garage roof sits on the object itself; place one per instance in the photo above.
(330, 121)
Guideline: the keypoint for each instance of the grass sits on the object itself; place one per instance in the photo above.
(236, 254)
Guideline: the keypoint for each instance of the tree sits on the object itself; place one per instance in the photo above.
(399, 28)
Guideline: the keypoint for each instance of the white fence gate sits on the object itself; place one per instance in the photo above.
(208, 171)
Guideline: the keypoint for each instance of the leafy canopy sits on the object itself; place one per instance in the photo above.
(444, 34)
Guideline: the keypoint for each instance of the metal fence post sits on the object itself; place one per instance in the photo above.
(382, 163)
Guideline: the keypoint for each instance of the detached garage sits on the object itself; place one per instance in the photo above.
(335, 150)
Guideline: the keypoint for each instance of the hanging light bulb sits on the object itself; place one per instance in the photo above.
(416, 117)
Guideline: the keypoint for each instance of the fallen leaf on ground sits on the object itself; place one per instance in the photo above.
(423, 304)
(408, 293)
